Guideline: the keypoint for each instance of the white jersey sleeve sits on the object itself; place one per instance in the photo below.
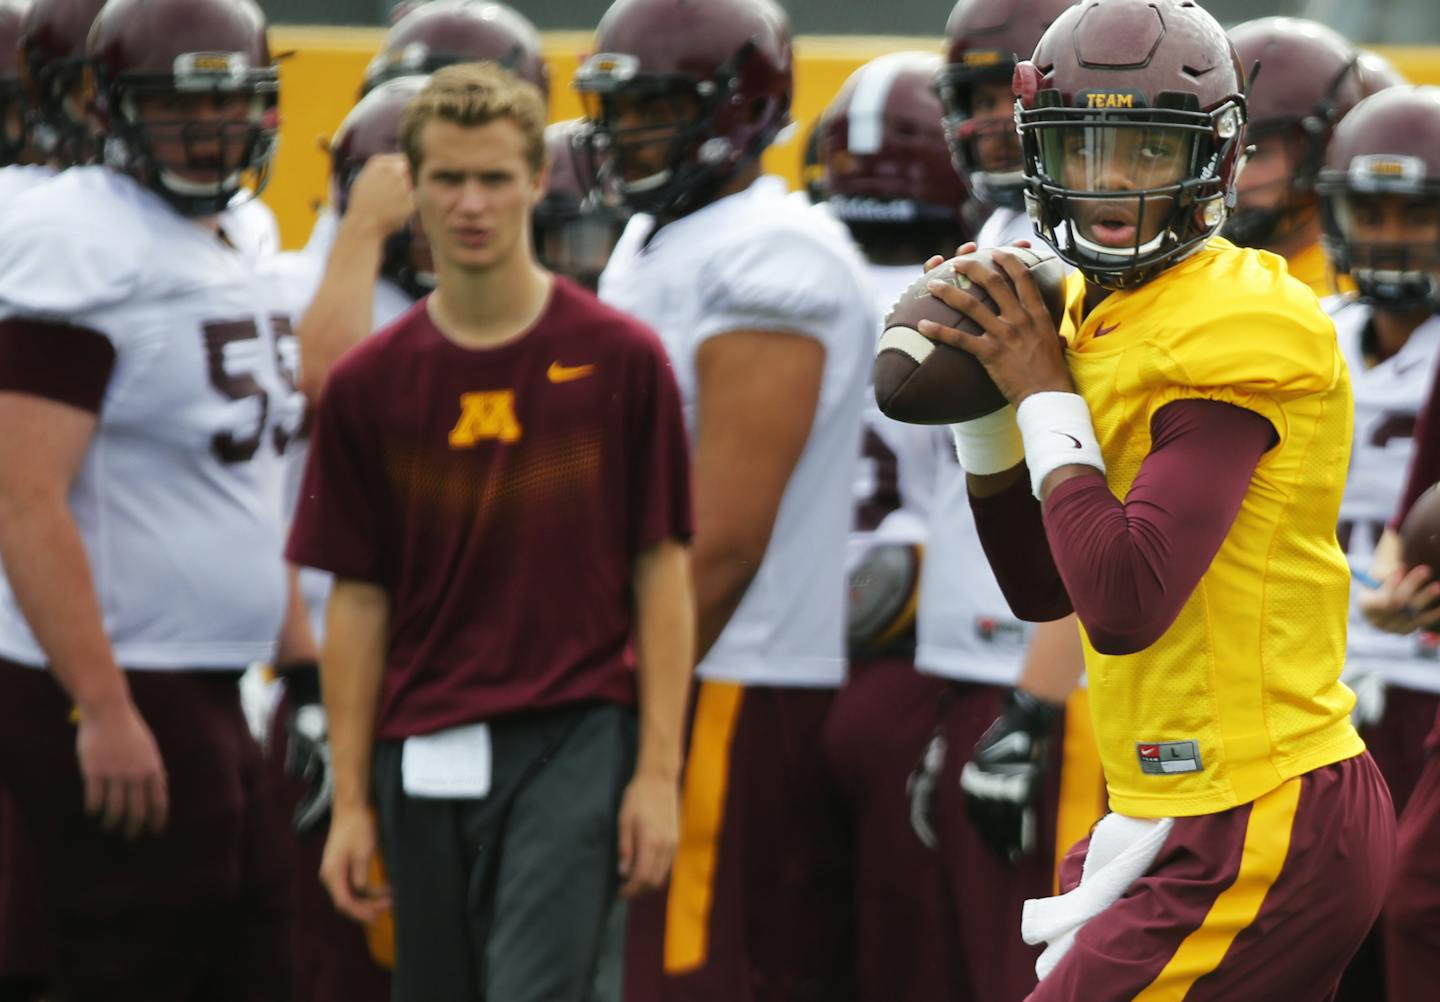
(251, 226)
(760, 259)
(1388, 397)
(178, 496)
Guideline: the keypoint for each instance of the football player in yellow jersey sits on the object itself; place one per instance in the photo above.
(1174, 476)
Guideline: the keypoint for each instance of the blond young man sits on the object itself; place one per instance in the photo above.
(499, 482)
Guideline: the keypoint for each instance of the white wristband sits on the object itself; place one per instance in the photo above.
(1057, 431)
(990, 444)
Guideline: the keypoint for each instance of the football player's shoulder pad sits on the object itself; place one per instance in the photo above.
(793, 270)
(1238, 326)
(73, 245)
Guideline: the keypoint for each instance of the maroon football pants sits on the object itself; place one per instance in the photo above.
(756, 909)
(877, 731)
(1412, 910)
(1266, 901)
(195, 914)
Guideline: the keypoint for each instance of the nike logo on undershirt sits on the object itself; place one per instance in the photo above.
(1102, 331)
(558, 373)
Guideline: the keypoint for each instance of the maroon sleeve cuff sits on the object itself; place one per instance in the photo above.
(1132, 566)
(1012, 533)
(57, 361)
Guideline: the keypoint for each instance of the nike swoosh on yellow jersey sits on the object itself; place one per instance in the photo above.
(558, 373)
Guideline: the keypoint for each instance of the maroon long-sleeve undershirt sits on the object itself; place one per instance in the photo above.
(1127, 568)
(1424, 458)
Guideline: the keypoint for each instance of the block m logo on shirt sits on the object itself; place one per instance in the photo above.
(488, 414)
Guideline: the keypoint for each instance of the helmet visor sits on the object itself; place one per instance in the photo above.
(1122, 182)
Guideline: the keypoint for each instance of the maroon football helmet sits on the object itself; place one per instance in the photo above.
(1389, 144)
(574, 230)
(1309, 77)
(1132, 118)
(15, 112)
(211, 51)
(442, 32)
(723, 69)
(983, 41)
(883, 147)
(371, 128)
(52, 60)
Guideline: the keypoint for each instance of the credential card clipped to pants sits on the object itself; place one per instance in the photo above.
(452, 764)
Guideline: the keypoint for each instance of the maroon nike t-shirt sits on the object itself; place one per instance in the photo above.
(500, 497)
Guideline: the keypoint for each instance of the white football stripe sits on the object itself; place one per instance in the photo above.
(908, 340)
(867, 104)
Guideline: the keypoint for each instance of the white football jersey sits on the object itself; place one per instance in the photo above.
(1388, 396)
(1005, 226)
(760, 260)
(899, 462)
(17, 179)
(178, 498)
(297, 276)
(251, 225)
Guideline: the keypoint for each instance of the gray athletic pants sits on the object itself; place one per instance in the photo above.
(505, 899)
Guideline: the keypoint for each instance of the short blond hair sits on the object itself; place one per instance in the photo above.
(473, 94)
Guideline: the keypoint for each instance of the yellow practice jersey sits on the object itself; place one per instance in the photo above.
(1312, 267)
(1243, 691)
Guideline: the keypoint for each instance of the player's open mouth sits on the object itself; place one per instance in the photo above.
(1113, 227)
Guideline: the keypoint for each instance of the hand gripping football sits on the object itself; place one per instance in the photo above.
(920, 381)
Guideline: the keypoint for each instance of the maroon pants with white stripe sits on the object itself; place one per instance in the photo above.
(1267, 901)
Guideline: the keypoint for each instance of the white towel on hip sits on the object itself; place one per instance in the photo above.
(1121, 851)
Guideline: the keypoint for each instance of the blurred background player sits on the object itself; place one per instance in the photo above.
(1381, 232)
(762, 304)
(429, 36)
(145, 483)
(1261, 835)
(440, 33)
(886, 174)
(1309, 79)
(983, 39)
(46, 40)
(1381, 188)
(990, 791)
(575, 229)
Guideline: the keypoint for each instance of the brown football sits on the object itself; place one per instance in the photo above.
(1420, 532)
(920, 381)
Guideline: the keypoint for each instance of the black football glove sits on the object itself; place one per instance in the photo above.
(307, 748)
(1002, 779)
(921, 789)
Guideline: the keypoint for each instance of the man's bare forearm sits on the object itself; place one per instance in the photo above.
(49, 571)
(665, 651)
(351, 665)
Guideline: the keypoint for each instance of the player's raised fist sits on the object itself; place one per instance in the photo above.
(919, 377)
